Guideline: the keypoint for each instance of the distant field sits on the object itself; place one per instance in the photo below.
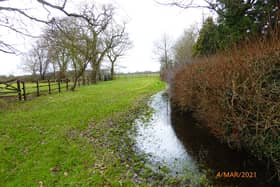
(135, 75)
(42, 141)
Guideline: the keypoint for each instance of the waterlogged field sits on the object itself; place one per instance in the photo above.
(74, 138)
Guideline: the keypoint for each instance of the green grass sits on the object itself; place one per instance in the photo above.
(60, 139)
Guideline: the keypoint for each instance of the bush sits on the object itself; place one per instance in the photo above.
(237, 94)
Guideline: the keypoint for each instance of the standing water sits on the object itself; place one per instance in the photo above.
(172, 139)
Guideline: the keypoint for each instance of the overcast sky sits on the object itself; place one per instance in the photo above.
(147, 22)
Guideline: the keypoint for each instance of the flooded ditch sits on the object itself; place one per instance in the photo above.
(173, 140)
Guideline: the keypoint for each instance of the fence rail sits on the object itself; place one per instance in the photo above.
(10, 88)
(21, 89)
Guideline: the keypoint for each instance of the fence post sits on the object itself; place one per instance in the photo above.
(58, 83)
(67, 80)
(24, 91)
(37, 85)
(49, 84)
(19, 90)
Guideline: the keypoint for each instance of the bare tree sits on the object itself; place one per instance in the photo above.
(40, 53)
(163, 51)
(29, 64)
(57, 52)
(183, 48)
(98, 22)
(15, 19)
(81, 38)
(119, 45)
(75, 40)
(36, 59)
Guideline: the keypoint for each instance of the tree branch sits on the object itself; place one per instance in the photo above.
(184, 5)
(7, 48)
(62, 9)
(10, 9)
(18, 31)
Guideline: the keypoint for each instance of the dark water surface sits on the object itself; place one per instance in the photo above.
(174, 140)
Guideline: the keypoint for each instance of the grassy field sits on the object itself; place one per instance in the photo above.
(72, 138)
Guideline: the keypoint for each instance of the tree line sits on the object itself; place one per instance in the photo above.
(74, 42)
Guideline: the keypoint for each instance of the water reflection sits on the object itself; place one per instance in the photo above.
(173, 139)
(157, 138)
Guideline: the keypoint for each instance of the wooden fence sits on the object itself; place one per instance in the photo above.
(50, 86)
(10, 88)
(20, 89)
(13, 89)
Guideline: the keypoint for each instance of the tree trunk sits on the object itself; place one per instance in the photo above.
(34, 76)
(94, 76)
(94, 72)
(99, 75)
(42, 76)
(112, 71)
(54, 71)
(74, 83)
(84, 79)
(76, 78)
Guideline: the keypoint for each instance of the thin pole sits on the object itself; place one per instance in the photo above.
(19, 90)
(24, 90)
(38, 90)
